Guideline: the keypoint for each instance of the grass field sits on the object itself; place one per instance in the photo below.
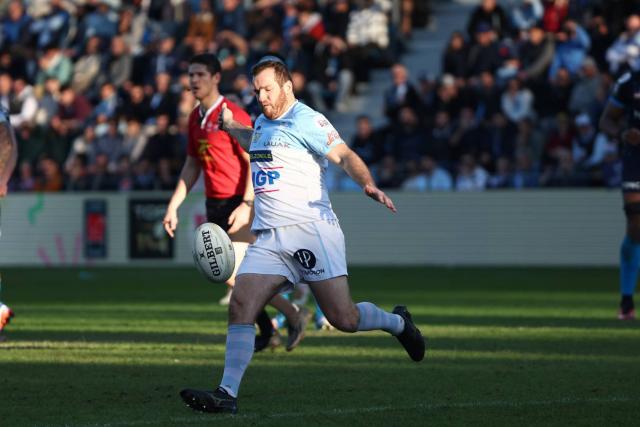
(507, 347)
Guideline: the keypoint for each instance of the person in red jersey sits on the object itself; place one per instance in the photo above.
(227, 179)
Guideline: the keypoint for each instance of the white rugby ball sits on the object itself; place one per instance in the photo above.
(213, 252)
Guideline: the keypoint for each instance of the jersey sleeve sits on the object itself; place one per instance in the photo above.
(241, 116)
(622, 93)
(191, 145)
(320, 135)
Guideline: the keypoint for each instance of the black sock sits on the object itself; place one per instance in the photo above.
(264, 324)
(627, 303)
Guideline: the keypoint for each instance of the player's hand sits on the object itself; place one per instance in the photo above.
(225, 119)
(239, 218)
(631, 136)
(170, 222)
(3, 190)
(378, 195)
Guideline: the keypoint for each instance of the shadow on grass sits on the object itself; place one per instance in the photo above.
(579, 322)
(560, 345)
(335, 394)
(117, 337)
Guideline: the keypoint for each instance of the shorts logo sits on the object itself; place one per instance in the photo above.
(306, 258)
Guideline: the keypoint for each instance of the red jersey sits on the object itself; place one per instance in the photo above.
(220, 155)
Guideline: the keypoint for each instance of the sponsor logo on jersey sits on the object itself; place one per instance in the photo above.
(277, 141)
(256, 136)
(332, 137)
(263, 178)
(211, 127)
(203, 150)
(261, 156)
(322, 122)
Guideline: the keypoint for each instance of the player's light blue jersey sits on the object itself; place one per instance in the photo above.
(288, 166)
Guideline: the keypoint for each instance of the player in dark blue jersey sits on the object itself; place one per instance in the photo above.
(621, 120)
(8, 157)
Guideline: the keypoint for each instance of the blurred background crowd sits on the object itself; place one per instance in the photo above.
(98, 89)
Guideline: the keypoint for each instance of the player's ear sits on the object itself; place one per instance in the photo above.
(288, 86)
(217, 77)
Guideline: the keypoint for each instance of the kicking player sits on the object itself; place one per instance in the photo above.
(227, 179)
(621, 120)
(298, 235)
(8, 157)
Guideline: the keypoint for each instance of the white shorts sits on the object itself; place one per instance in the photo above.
(304, 252)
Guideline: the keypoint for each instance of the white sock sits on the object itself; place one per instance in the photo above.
(372, 318)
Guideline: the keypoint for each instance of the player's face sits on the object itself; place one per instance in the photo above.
(271, 96)
(201, 81)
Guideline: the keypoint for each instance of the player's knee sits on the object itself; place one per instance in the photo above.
(633, 230)
(238, 310)
(632, 211)
(345, 322)
(634, 234)
(345, 325)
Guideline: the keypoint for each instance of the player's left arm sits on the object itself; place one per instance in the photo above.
(353, 165)
(8, 155)
(241, 215)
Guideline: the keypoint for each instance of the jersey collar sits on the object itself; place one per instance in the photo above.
(287, 112)
(206, 114)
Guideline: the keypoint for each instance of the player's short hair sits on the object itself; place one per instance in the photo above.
(209, 60)
(279, 67)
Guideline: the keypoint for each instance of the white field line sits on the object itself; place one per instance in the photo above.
(374, 409)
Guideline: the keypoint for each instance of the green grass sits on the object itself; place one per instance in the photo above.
(507, 347)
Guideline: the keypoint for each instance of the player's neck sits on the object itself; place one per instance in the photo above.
(286, 107)
(209, 100)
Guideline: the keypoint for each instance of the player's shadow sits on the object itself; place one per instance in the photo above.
(116, 337)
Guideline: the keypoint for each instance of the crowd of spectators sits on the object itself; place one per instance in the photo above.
(517, 102)
(98, 90)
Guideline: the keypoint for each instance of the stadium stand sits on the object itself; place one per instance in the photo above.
(515, 103)
(98, 91)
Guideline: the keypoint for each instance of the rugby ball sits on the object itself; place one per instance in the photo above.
(213, 252)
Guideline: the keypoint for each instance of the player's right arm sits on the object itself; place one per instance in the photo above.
(8, 154)
(613, 119)
(188, 177)
(241, 132)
